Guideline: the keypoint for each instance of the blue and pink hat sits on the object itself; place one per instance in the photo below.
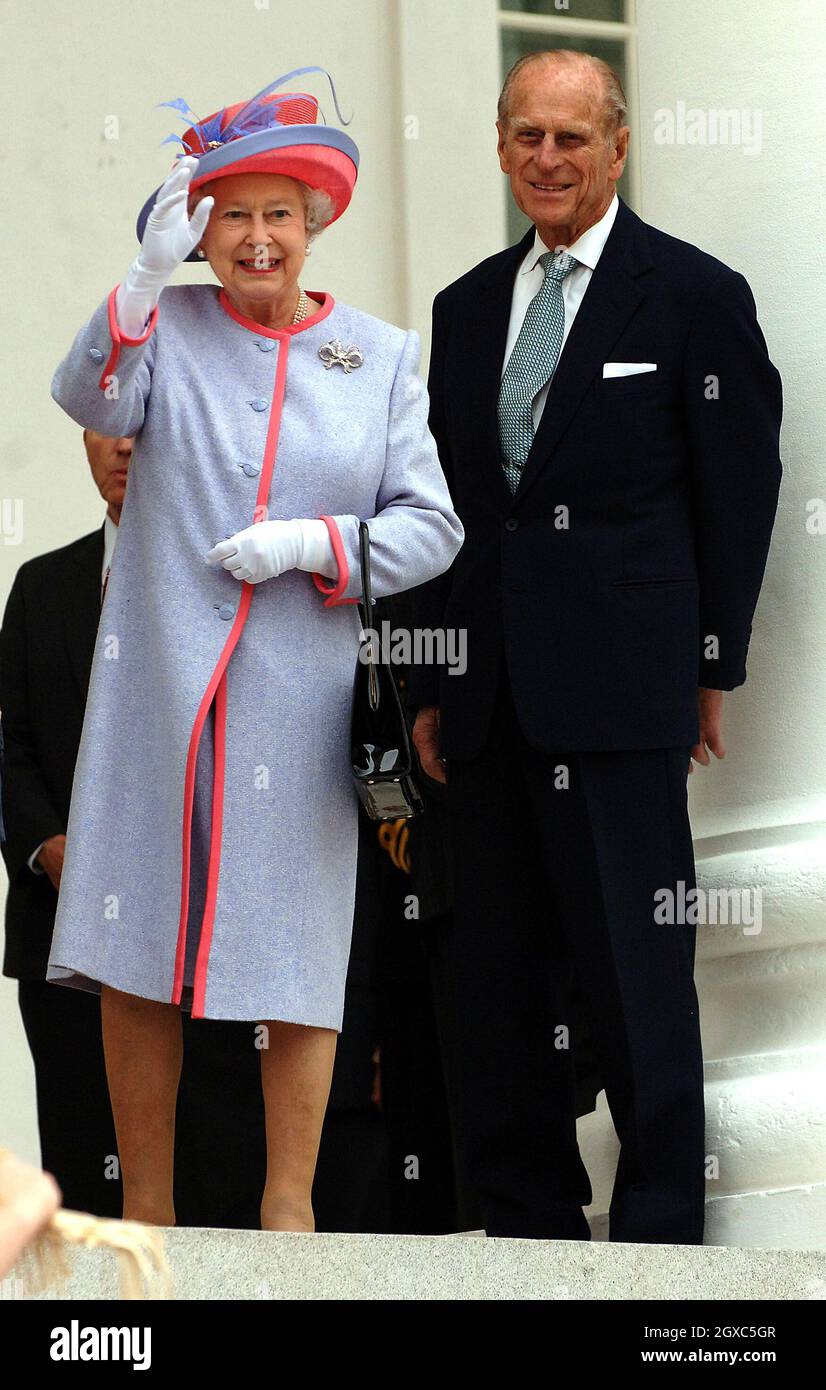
(269, 134)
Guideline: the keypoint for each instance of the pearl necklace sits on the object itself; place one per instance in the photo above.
(304, 308)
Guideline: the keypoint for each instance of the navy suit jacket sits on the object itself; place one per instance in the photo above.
(625, 571)
(46, 645)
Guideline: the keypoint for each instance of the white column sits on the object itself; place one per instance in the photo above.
(759, 817)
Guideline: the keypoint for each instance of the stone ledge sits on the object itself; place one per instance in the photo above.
(266, 1265)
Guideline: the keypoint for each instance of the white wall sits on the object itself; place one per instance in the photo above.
(762, 213)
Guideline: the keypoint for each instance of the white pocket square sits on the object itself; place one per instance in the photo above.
(627, 368)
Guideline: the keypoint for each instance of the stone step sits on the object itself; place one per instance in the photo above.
(222, 1264)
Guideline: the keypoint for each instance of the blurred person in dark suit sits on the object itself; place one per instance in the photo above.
(351, 1189)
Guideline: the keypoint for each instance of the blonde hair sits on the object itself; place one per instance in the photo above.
(143, 1270)
(43, 1263)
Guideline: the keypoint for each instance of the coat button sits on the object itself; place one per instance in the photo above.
(511, 524)
(226, 611)
(96, 354)
(260, 404)
(265, 344)
(251, 469)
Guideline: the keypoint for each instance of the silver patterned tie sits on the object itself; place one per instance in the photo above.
(531, 364)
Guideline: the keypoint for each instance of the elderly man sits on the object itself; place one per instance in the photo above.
(608, 418)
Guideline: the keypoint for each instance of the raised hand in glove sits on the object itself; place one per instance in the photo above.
(168, 238)
(269, 548)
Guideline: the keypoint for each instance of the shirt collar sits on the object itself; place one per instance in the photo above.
(110, 535)
(587, 248)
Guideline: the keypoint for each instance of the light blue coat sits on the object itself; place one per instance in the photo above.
(226, 416)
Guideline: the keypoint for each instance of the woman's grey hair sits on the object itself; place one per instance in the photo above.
(318, 209)
(318, 206)
(615, 108)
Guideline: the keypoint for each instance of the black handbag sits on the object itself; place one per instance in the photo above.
(380, 741)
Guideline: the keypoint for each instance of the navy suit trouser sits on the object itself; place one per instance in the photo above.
(558, 858)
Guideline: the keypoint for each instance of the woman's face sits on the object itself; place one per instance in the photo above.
(256, 237)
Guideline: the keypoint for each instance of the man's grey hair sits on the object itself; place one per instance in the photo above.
(615, 108)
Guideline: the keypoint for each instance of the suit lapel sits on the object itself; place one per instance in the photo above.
(81, 608)
(612, 297)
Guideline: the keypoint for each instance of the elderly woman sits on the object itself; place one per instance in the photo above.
(212, 838)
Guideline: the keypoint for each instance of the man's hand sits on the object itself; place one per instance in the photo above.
(711, 727)
(426, 739)
(50, 858)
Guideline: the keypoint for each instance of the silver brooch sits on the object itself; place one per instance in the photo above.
(336, 354)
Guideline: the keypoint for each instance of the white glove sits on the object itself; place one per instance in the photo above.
(168, 238)
(269, 548)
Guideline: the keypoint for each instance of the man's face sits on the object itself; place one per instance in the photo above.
(109, 461)
(553, 148)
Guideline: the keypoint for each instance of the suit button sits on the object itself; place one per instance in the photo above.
(259, 405)
(265, 344)
(251, 469)
(511, 524)
(96, 354)
(226, 611)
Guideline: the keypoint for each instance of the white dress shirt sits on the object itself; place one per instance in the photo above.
(586, 250)
(110, 535)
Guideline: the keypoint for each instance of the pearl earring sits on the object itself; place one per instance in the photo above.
(307, 251)
(200, 254)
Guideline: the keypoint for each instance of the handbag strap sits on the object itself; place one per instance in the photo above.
(364, 560)
(366, 611)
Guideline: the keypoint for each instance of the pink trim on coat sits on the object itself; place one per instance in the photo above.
(325, 302)
(211, 692)
(322, 583)
(199, 991)
(120, 339)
